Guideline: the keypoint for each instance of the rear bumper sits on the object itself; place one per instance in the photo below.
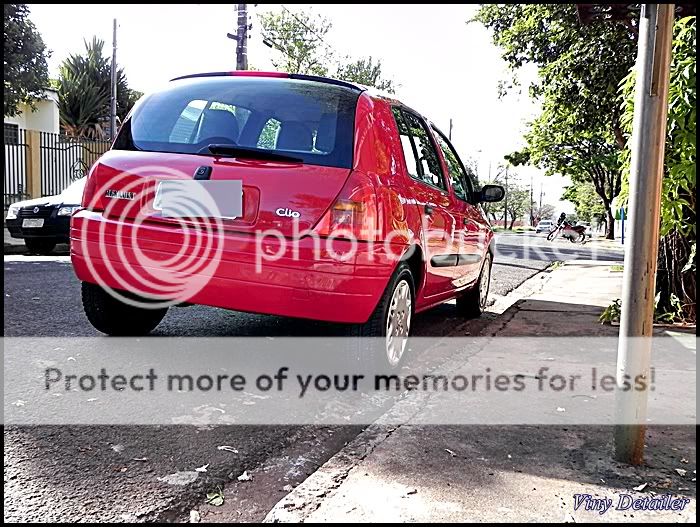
(306, 284)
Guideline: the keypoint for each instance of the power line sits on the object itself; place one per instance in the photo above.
(307, 27)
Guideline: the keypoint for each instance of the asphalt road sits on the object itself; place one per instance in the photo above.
(110, 473)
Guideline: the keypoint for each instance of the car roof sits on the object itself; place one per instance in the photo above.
(275, 74)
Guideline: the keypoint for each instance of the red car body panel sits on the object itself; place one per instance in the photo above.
(310, 285)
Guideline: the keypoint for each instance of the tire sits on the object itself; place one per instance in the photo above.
(472, 303)
(113, 317)
(551, 236)
(370, 349)
(39, 245)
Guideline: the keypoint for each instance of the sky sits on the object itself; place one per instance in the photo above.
(445, 68)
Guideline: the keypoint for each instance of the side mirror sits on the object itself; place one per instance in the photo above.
(491, 193)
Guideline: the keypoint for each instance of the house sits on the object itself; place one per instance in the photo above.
(44, 119)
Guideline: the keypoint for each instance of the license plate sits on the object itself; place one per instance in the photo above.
(33, 223)
(199, 199)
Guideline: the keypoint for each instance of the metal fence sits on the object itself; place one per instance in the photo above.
(58, 160)
(15, 168)
(65, 159)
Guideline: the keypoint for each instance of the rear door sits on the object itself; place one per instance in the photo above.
(471, 227)
(429, 190)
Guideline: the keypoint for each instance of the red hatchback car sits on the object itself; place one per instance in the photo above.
(282, 194)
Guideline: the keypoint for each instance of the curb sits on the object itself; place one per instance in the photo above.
(307, 497)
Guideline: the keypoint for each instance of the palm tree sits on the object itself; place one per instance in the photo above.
(84, 92)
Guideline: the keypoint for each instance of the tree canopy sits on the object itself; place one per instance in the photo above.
(299, 37)
(365, 71)
(579, 132)
(84, 92)
(26, 72)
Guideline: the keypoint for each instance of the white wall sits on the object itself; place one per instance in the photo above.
(44, 118)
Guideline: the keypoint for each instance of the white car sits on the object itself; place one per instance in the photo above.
(544, 226)
(44, 222)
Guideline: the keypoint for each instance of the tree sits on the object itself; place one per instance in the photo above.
(25, 69)
(366, 72)
(514, 206)
(84, 92)
(589, 206)
(545, 212)
(579, 133)
(299, 37)
(518, 203)
(675, 278)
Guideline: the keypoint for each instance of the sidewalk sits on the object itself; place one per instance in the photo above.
(412, 473)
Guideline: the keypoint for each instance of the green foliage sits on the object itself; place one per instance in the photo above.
(611, 314)
(578, 133)
(26, 73)
(366, 72)
(84, 92)
(517, 204)
(676, 266)
(678, 196)
(589, 206)
(299, 38)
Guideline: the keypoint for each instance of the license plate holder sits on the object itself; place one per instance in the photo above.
(32, 223)
(179, 198)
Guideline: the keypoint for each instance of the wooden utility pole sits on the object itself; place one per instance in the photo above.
(113, 82)
(241, 36)
(641, 251)
(449, 136)
(242, 40)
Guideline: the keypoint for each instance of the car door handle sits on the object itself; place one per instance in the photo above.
(428, 209)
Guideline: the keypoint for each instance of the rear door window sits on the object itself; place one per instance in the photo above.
(420, 154)
(310, 120)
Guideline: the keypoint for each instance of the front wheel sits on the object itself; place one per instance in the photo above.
(552, 235)
(472, 303)
(389, 324)
(115, 317)
(39, 245)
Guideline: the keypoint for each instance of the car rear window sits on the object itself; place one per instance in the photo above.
(308, 120)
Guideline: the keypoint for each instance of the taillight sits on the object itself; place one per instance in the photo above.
(92, 201)
(354, 213)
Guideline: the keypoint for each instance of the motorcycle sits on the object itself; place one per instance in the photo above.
(573, 233)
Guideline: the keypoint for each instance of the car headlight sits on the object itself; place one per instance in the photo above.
(67, 211)
(12, 212)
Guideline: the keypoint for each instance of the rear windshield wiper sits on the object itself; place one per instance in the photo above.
(249, 152)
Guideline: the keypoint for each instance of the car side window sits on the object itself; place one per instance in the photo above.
(407, 145)
(458, 176)
(419, 152)
(269, 134)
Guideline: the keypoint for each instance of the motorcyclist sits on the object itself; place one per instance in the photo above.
(562, 218)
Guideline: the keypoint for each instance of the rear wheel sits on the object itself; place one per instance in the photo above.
(39, 245)
(388, 326)
(114, 317)
(472, 303)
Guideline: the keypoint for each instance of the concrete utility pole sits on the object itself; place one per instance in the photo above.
(505, 201)
(646, 171)
(113, 91)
